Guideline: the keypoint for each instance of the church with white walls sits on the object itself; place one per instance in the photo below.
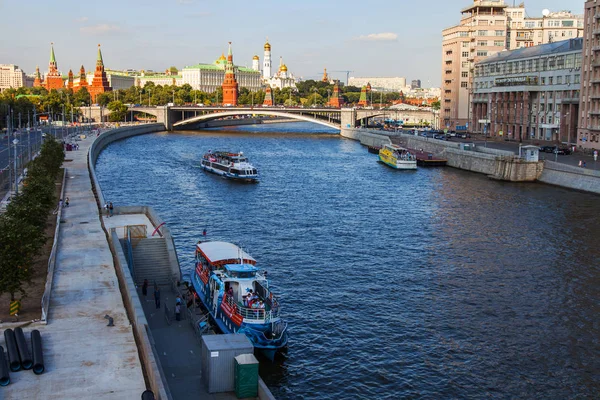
(281, 79)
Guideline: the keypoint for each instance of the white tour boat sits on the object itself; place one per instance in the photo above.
(229, 165)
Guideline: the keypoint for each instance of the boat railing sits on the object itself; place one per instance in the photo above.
(257, 314)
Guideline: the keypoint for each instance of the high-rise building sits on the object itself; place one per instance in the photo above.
(230, 85)
(11, 76)
(588, 133)
(415, 84)
(487, 27)
(100, 82)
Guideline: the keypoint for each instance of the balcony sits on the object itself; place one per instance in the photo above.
(596, 80)
(597, 112)
(523, 38)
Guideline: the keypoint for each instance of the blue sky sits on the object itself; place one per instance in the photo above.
(369, 37)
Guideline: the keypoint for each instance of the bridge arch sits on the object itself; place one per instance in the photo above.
(233, 112)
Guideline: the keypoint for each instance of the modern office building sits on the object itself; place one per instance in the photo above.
(11, 76)
(487, 27)
(415, 84)
(529, 93)
(589, 101)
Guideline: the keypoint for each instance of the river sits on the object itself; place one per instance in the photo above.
(435, 284)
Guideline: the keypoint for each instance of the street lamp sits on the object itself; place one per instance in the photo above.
(16, 142)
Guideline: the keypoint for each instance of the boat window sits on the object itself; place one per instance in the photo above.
(235, 171)
(254, 171)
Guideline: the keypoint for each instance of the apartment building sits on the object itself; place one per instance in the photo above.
(588, 135)
(11, 76)
(529, 93)
(487, 27)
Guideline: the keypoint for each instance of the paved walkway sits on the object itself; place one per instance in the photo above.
(83, 357)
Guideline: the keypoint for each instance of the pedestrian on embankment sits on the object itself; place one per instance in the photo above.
(67, 202)
(145, 288)
(157, 296)
(110, 209)
(178, 312)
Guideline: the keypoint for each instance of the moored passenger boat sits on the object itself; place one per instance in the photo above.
(397, 157)
(237, 296)
(229, 165)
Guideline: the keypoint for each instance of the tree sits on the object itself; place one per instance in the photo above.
(82, 97)
(436, 105)
(118, 111)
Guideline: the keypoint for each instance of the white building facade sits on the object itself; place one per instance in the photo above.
(209, 77)
(394, 84)
(11, 76)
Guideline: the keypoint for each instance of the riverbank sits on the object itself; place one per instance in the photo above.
(496, 163)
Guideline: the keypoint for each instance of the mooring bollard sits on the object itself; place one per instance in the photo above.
(38, 358)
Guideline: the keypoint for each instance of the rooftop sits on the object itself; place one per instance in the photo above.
(563, 46)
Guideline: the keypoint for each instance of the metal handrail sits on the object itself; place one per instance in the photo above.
(254, 313)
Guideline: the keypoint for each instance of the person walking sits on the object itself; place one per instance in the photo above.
(67, 202)
(178, 312)
(157, 296)
(110, 209)
(106, 209)
(145, 288)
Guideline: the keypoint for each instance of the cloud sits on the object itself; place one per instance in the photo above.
(99, 29)
(81, 19)
(382, 37)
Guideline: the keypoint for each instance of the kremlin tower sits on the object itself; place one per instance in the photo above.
(82, 79)
(37, 82)
(53, 78)
(230, 85)
(70, 80)
(100, 81)
(267, 62)
(268, 97)
(255, 61)
(364, 95)
(336, 99)
(325, 76)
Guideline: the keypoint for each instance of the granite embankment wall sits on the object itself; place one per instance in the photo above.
(498, 164)
(132, 303)
(571, 177)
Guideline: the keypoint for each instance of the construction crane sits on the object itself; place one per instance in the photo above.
(347, 75)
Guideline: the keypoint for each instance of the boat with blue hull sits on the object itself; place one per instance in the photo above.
(237, 296)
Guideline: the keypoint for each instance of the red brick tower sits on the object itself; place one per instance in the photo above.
(100, 82)
(230, 85)
(364, 96)
(53, 78)
(268, 97)
(70, 80)
(336, 99)
(37, 82)
(82, 79)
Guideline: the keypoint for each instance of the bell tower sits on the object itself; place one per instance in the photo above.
(267, 61)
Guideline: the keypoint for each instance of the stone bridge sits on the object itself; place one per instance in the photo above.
(189, 117)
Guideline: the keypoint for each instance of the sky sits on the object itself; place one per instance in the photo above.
(369, 37)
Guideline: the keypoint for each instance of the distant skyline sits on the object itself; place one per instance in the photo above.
(378, 38)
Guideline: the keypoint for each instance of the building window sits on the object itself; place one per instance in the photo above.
(465, 64)
(499, 33)
(499, 43)
(543, 80)
(464, 74)
(482, 33)
(465, 54)
(568, 23)
(463, 34)
(463, 84)
(577, 79)
(482, 53)
(559, 80)
(551, 81)
(465, 44)
(482, 43)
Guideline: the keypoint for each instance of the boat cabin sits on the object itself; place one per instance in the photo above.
(216, 254)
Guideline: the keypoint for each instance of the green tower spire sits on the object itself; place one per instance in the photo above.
(99, 60)
(52, 58)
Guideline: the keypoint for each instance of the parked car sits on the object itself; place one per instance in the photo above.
(562, 150)
(547, 149)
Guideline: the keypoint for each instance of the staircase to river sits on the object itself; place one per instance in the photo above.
(151, 261)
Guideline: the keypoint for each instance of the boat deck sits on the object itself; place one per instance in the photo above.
(425, 159)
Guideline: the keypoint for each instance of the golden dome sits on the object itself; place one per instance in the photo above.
(222, 58)
(283, 68)
(267, 46)
(255, 58)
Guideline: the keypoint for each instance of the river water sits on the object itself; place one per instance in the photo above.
(435, 284)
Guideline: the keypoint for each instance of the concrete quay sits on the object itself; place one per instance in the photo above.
(496, 163)
(83, 357)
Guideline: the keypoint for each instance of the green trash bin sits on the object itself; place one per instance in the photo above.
(246, 376)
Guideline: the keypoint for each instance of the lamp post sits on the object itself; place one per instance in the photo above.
(173, 96)
(16, 142)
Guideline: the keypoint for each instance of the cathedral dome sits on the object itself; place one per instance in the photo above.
(255, 58)
(283, 68)
(267, 47)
